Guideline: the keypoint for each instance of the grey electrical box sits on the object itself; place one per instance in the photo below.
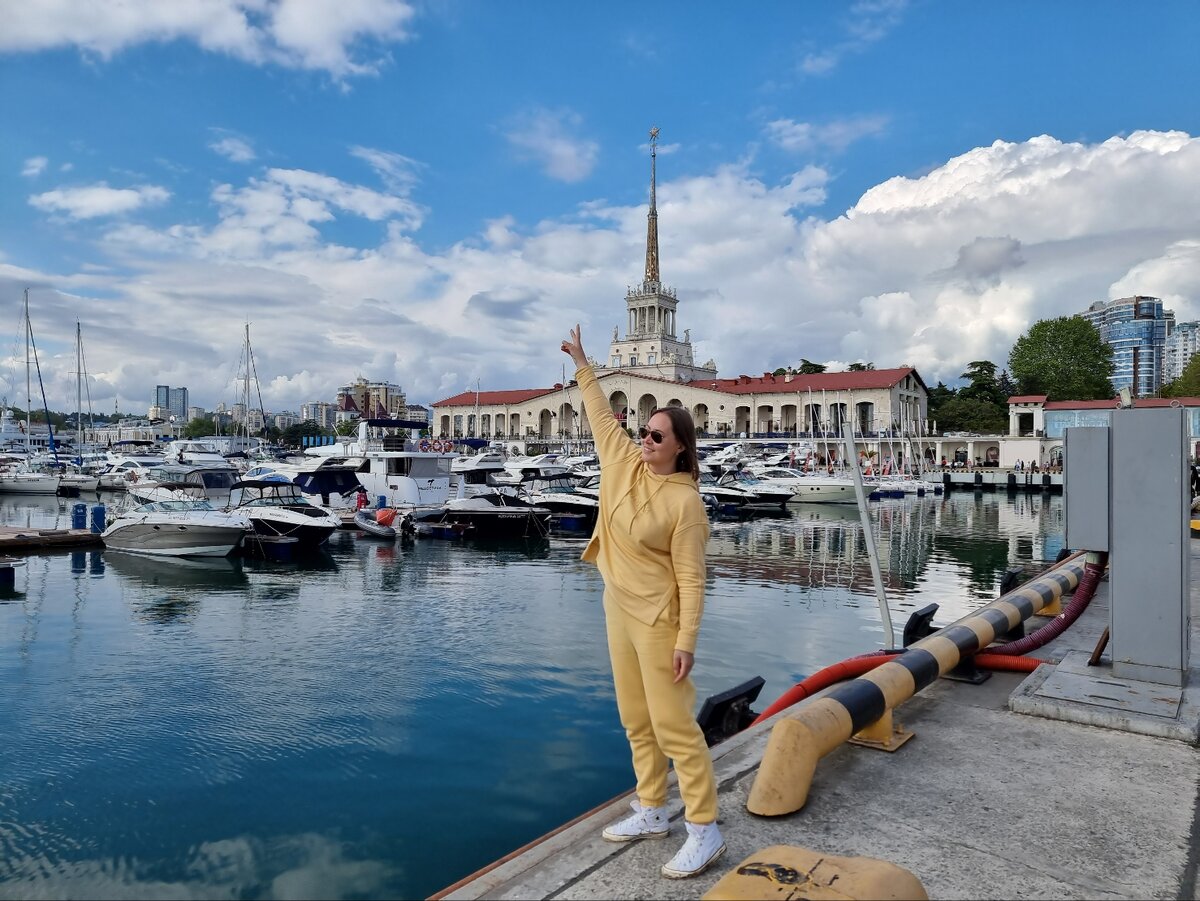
(1086, 479)
(1150, 574)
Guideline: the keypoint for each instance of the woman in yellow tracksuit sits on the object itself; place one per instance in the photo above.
(649, 545)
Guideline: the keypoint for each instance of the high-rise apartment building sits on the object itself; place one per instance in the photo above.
(372, 400)
(1137, 329)
(177, 403)
(320, 412)
(1183, 344)
(162, 396)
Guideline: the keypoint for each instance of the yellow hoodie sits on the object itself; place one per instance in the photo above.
(651, 531)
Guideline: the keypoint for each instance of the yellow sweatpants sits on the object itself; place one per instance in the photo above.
(658, 715)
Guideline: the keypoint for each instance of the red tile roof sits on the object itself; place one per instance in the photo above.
(493, 398)
(823, 381)
(1112, 403)
(744, 384)
(1028, 399)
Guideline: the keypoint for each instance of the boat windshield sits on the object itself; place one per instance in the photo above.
(291, 500)
(173, 506)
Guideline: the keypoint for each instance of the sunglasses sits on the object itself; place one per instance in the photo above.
(653, 434)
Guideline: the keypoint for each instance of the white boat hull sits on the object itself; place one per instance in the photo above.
(173, 541)
(28, 483)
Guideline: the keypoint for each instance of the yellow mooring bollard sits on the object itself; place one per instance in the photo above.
(798, 741)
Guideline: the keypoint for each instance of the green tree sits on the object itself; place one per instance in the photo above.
(1188, 383)
(197, 428)
(1007, 386)
(808, 367)
(939, 395)
(1064, 359)
(968, 414)
(983, 385)
(293, 435)
(347, 427)
(860, 367)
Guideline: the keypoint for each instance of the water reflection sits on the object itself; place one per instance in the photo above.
(206, 573)
(334, 726)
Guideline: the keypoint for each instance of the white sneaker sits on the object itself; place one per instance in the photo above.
(703, 846)
(646, 822)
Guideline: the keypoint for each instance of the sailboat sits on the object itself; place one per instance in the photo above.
(76, 480)
(21, 478)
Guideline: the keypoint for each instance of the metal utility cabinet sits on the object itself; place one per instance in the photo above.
(1126, 490)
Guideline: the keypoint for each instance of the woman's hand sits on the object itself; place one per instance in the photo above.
(683, 664)
(574, 347)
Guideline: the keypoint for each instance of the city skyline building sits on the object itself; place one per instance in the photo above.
(177, 402)
(1137, 329)
(320, 412)
(1182, 345)
(372, 399)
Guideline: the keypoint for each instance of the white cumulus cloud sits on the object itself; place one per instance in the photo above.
(802, 137)
(335, 36)
(34, 166)
(235, 149)
(549, 138)
(91, 201)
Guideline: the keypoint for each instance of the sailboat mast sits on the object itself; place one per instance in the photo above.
(78, 393)
(246, 389)
(28, 386)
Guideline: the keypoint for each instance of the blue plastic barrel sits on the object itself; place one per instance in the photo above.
(98, 518)
(79, 516)
(381, 502)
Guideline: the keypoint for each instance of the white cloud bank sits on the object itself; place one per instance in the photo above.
(934, 271)
(323, 35)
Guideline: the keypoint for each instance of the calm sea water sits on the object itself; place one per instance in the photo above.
(385, 719)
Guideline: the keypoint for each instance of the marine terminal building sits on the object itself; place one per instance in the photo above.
(653, 366)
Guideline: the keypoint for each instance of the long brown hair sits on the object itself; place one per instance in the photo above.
(684, 428)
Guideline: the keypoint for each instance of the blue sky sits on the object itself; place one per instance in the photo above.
(432, 193)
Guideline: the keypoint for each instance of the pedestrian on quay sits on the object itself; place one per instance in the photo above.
(649, 545)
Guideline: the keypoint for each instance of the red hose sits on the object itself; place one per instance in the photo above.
(853, 667)
(1079, 601)
(1008, 657)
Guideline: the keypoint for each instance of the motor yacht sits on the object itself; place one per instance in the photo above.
(497, 515)
(808, 488)
(391, 465)
(174, 482)
(561, 497)
(176, 528)
(279, 509)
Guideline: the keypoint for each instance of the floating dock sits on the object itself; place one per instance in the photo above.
(988, 479)
(1092, 797)
(14, 540)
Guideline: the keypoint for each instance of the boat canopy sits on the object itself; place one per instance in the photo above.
(327, 481)
(248, 490)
